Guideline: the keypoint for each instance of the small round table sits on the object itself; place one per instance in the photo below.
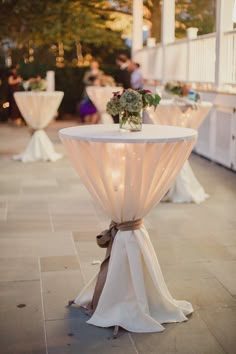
(38, 109)
(127, 174)
(186, 188)
(100, 95)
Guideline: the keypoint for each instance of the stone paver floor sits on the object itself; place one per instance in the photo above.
(48, 225)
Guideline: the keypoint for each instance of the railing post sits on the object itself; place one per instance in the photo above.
(224, 22)
(191, 34)
(167, 29)
(137, 35)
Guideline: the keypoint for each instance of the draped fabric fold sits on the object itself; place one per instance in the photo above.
(39, 148)
(168, 112)
(38, 108)
(186, 188)
(105, 240)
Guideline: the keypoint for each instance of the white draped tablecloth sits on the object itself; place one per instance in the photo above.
(38, 109)
(186, 187)
(127, 174)
(100, 95)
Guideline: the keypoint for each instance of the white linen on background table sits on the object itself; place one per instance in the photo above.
(186, 187)
(38, 109)
(169, 112)
(127, 174)
(100, 95)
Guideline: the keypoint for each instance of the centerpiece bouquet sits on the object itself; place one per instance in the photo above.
(176, 89)
(182, 94)
(37, 84)
(129, 105)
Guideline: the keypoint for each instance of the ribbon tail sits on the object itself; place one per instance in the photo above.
(105, 239)
(102, 275)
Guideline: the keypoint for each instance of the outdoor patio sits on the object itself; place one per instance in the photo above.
(48, 225)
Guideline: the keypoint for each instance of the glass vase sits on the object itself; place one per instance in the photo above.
(131, 121)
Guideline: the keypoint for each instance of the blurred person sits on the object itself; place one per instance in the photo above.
(93, 75)
(14, 85)
(136, 76)
(87, 111)
(123, 75)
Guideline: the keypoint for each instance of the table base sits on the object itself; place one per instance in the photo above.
(39, 148)
(186, 188)
(135, 296)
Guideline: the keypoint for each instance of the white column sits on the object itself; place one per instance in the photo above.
(137, 36)
(224, 22)
(234, 12)
(168, 21)
(50, 80)
(167, 29)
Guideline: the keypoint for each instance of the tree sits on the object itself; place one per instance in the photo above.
(189, 13)
(195, 13)
(155, 10)
(64, 23)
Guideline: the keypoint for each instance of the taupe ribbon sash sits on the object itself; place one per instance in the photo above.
(105, 240)
(32, 131)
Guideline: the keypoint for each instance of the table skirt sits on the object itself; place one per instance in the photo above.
(135, 295)
(38, 148)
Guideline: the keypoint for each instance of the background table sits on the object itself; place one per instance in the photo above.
(127, 173)
(100, 95)
(186, 187)
(38, 109)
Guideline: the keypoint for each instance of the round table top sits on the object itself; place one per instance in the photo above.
(111, 133)
(38, 93)
(184, 102)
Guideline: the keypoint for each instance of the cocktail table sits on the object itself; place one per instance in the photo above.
(127, 174)
(38, 109)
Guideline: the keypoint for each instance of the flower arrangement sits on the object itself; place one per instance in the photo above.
(129, 105)
(177, 88)
(37, 84)
(107, 80)
(181, 91)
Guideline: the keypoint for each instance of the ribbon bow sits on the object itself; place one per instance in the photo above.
(105, 240)
(106, 236)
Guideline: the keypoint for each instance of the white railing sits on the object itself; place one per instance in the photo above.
(202, 56)
(151, 62)
(175, 61)
(189, 60)
(229, 55)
